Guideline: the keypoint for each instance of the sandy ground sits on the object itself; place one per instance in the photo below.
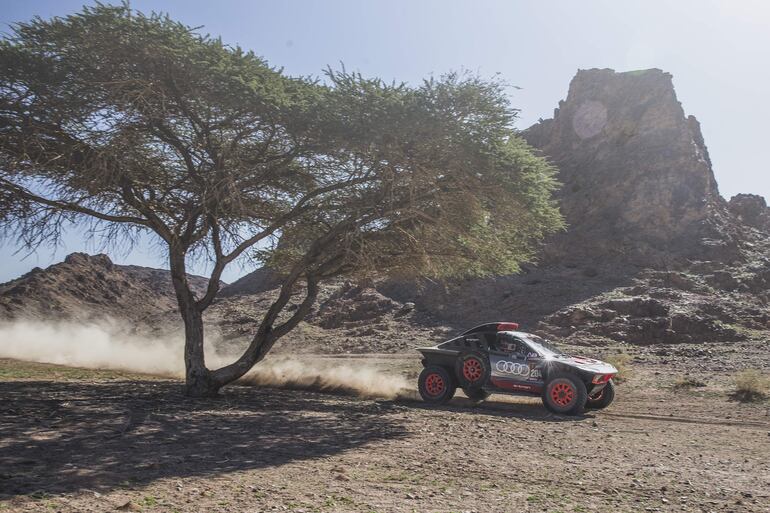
(75, 440)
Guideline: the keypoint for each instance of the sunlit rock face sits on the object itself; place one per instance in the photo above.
(636, 174)
(752, 210)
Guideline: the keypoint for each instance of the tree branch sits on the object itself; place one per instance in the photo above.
(154, 222)
(219, 266)
(71, 207)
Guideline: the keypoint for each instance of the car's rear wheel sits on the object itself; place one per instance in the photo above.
(565, 394)
(476, 394)
(472, 370)
(603, 398)
(436, 385)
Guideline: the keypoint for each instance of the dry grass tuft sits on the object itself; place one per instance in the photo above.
(622, 362)
(750, 386)
(688, 382)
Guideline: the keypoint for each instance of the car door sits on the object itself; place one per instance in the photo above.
(535, 362)
(510, 366)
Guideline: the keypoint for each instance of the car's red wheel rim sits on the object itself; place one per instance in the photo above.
(562, 394)
(434, 384)
(472, 369)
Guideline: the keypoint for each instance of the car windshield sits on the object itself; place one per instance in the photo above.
(543, 347)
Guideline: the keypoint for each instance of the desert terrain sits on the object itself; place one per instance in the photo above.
(87, 440)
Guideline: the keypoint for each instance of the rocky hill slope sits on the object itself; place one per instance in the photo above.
(348, 318)
(87, 287)
(652, 254)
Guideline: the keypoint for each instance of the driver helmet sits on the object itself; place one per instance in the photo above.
(507, 343)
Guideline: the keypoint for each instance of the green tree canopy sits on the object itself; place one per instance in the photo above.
(137, 123)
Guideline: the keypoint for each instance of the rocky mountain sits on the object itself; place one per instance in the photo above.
(348, 318)
(637, 179)
(652, 252)
(87, 287)
(652, 255)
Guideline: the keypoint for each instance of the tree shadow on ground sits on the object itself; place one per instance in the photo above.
(59, 437)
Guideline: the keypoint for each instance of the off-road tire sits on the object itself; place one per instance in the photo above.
(472, 370)
(476, 394)
(565, 394)
(436, 385)
(603, 399)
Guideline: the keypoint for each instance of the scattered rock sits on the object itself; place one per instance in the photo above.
(128, 506)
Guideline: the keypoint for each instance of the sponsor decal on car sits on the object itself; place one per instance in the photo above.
(517, 369)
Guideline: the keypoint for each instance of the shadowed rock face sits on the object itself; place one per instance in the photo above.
(637, 177)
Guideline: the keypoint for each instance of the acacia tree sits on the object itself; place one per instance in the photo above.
(138, 124)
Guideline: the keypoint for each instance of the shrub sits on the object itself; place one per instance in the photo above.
(750, 386)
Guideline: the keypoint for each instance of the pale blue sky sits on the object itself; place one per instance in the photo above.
(718, 52)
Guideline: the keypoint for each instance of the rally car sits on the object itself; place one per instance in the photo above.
(497, 358)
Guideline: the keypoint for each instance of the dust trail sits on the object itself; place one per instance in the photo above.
(109, 345)
(104, 345)
(363, 380)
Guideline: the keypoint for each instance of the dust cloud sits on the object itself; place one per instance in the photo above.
(110, 345)
(363, 380)
(103, 345)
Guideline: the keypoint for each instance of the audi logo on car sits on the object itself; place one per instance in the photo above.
(517, 369)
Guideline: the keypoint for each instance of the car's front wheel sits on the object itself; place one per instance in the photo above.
(603, 398)
(436, 385)
(565, 394)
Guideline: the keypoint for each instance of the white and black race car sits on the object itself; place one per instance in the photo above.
(497, 358)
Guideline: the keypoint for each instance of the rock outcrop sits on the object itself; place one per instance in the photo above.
(751, 210)
(637, 178)
(651, 246)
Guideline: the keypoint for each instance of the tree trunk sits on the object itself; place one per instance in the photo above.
(199, 380)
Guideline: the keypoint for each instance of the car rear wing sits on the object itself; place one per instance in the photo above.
(493, 326)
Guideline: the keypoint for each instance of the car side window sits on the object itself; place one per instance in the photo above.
(520, 349)
(524, 350)
(491, 338)
(498, 343)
